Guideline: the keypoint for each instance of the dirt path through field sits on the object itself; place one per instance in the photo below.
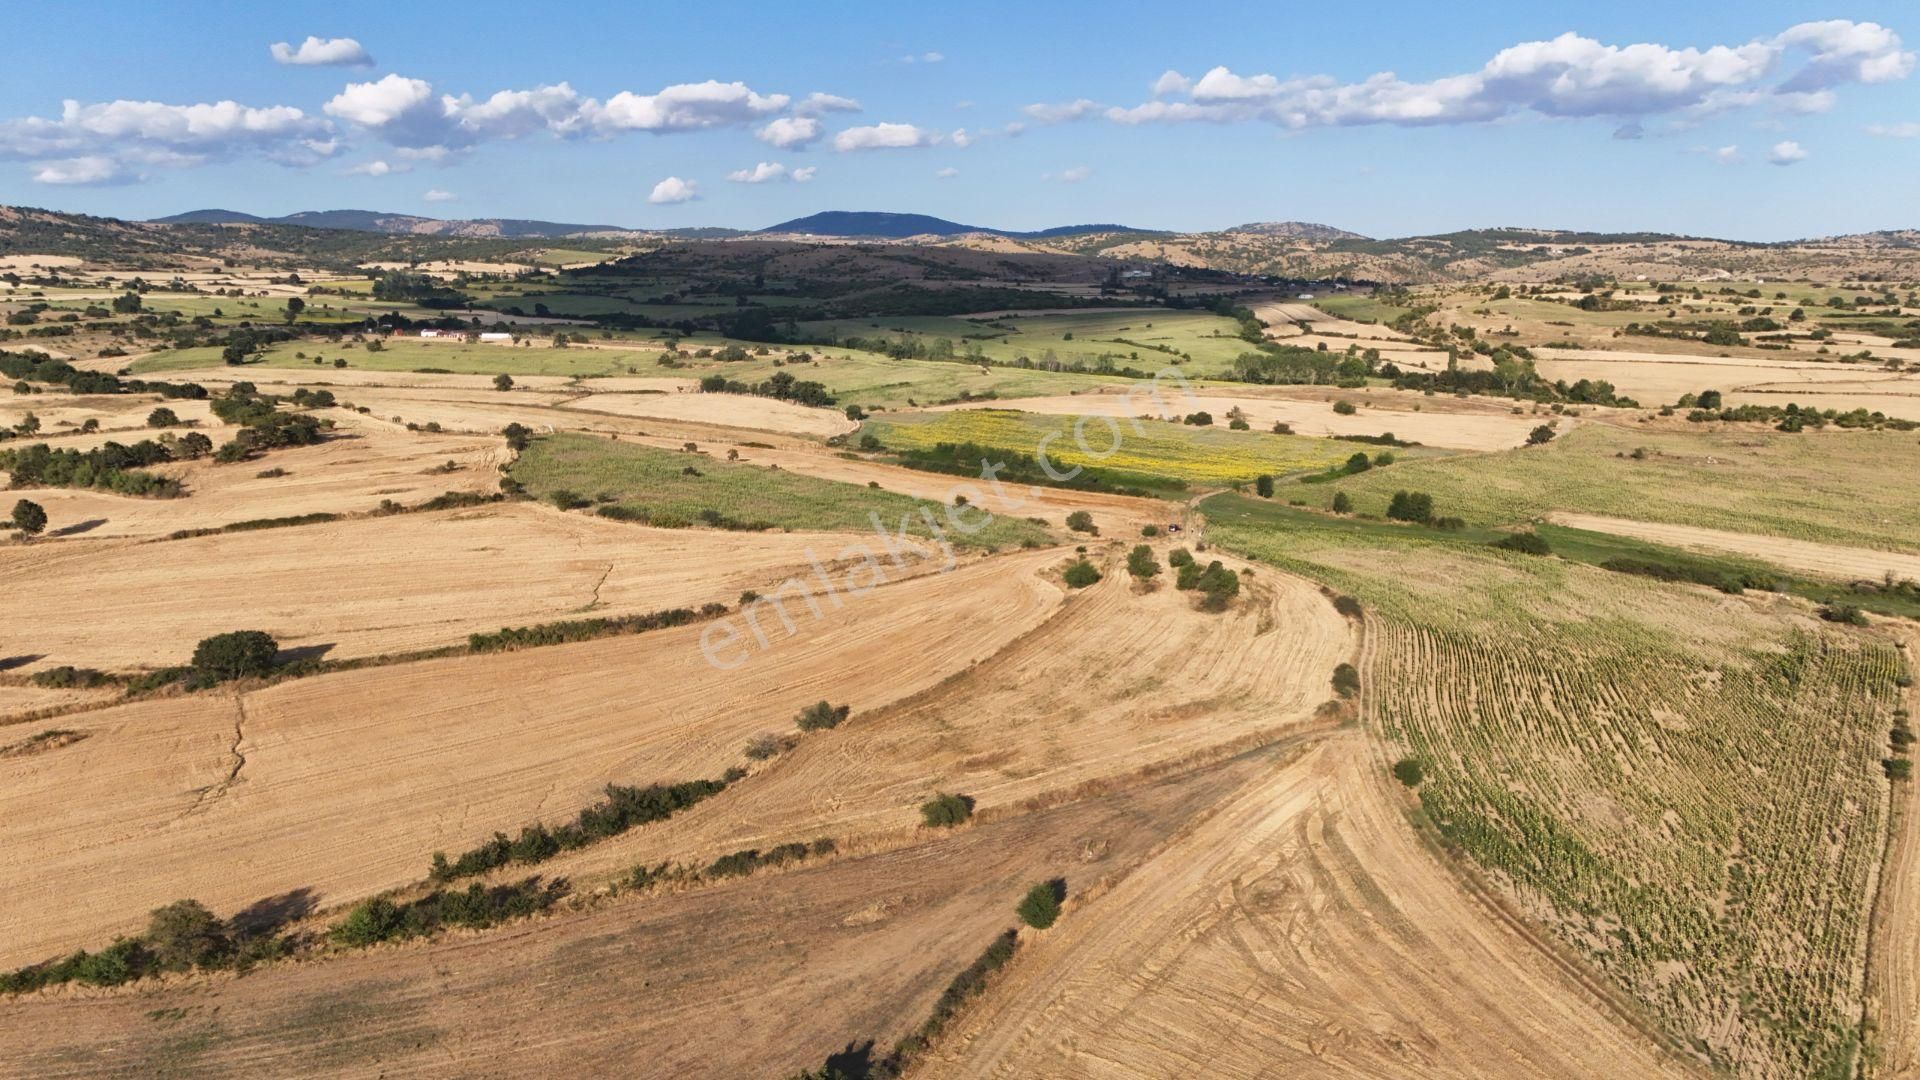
(1828, 560)
(1894, 964)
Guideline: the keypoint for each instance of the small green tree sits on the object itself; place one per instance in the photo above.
(821, 715)
(29, 518)
(1540, 436)
(1141, 563)
(162, 417)
(184, 934)
(1081, 521)
(503, 381)
(1359, 463)
(1346, 680)
(1410, 506)
(1263, 486)
(1409, 771)
(1342, 503)
(1345, 407)
(1040, 908)
(945, 811)
(236, 655)
(1081, 574)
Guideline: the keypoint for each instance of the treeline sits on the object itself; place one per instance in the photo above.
(1793, 418)
(968, 458)
(780, 386)
(1726, 580)
(622, 809)
(476, 907)
(32, 367)
(111, 467)
(560, 633)
(183, 936)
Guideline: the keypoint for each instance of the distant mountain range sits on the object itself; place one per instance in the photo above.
(846, 223)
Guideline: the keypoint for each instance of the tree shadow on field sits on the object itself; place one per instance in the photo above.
(79, 527)
(8, 663)
(267, 915)
(303, 653)
(853, 1063)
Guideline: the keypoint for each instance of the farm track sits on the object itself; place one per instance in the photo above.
(1894, 957)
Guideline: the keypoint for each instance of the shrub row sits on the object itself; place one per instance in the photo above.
(622, 809)
(381, 919)
(559, 633)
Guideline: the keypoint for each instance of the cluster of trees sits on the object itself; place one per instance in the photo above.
(1141, 563)
(622, 809)
(945, 810)
(746, 861)
(32, 367)
(1793, 418)
(781, 386)
(821, 716)
(1014, 468)
(181, 936)
(1215, 583)
(1080, 573)
(110, 467)
(477, 906)
(1291, 365)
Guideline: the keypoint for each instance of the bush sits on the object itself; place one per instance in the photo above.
(1416, 506)
(68, 677)
(184, 934)
(1346, 680)
(1199, 419)
(820, 716)
(503, 381)
(1526, 543)
(945, 811)
(1040, 908)
(1179, 557)
(1081, 521)
(1344, 407)
(1541, 435)
(1342, 503)
(162, 417)
(1898, 768)
(1141, 563)
(764, 746)
(239, 654)
(1347, 606)
(1149, 530)
(1409, 771)
(1844, 613)
(1263, 486)
(1359, 462)
(1081, 574)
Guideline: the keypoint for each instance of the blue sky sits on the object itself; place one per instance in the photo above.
(1754, 120)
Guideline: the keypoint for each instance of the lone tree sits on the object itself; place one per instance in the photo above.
(1540, 435)
(503, 381)
(1263, 486)
(162, 417)
(184, 934)
(1040, 908)
(295, 306)
(29, 517)
(821, 715)
(1081, 521)
(945, 810)
(236, 655)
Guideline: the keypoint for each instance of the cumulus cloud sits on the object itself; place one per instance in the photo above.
(1171, 82)
(1568, 76)
(947, 173)
(1786, 153)
(883, 137)
(1906, 129)
(818, 104)
(408, 113)
(791, 132)
(322, 52)
(93, 169)
(1069, 176)
(1063, 113)
(439, 195)
(674, 190)
(1726, 155)
(767, 172)
(130, 134)
(378, 168)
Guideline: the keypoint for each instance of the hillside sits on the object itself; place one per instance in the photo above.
(380, 222)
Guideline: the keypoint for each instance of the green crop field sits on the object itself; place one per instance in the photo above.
(643, 479)
(1810, 486)
(1200, 343)
(1160, 453)
(1684, 788)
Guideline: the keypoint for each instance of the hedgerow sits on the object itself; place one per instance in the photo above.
(622, 809)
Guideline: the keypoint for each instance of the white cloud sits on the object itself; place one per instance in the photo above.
(322, 52)
(127, 134)
(818, 104)
(1069, 176)
(93, 169)
(686, 107)
(1060, 114)
(947, 173)
(1906, 129)
(883, 137)
(378, 168)
(769, 171)
(923, 58)
(1727, 155)
(439, 195)
(961, 138)
(374, 104)
(1568, 76)
(674, 190)
(1171, 82)
(1786, 153)
(791, 132)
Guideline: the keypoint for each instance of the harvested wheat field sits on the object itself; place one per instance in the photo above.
(195, 795)
(1298, 928)
(1831, 560)
(838, 960)
(1486, 430)
(1195, 685)
(352, 472)
(368, 586)
(723, 410)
